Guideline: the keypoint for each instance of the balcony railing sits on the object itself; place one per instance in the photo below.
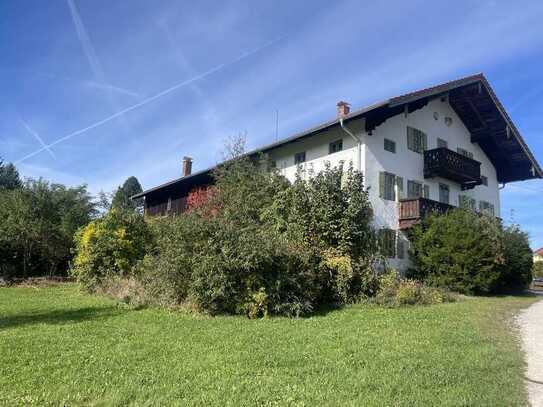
(442, 162)
(412, 210)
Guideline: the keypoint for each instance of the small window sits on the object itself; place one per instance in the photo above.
(466, 202)
(387, 242)
(484, 180)
(441, 143)
(299, 158)
(486, 207)
(444, 193)
(414, 189)
(335, 146)
(416, 140)
(465, 153)
(387, 185)
(390, 145)
(169, 205)
(426, 192)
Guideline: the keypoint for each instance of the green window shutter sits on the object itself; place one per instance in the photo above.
(410, 189)
(491, 209)
(426, 191)
(424, 141)
(381, 184)
(410, 139)
(399, 184)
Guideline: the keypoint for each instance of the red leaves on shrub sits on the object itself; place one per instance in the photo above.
(201, 199)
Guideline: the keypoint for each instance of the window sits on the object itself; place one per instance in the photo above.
(387, 242)
(169, 205)
(414, 189)
(444, 193)
(441, 143)
(273, 165)
(416, 140)
(466, 202)
(387, 185)
(486, 207)
(335, 146)
(299, 158)
(426, 192)
(465, 153)
(390, 145)
(484, 180)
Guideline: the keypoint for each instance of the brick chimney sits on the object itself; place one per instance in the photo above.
(343, 109)
(187, 166)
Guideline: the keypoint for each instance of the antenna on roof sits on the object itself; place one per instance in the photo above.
(276, 124)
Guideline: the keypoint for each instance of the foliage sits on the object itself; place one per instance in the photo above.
(470, 253)
(38, 223)
(122, 197)
(445, 355)
(538, 269)
(109, 246)
(254, 244)
(395, 291)
(516, 271)
(9, 176)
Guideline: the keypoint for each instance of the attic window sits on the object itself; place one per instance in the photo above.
(390, 145)
(299, 158)
(335, 146)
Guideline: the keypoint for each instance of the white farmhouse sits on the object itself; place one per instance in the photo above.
(449, 145)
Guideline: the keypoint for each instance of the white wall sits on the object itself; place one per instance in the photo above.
(410, 165)
(316, 153)
(405, 163)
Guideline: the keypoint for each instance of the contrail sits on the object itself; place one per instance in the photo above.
(109, 87)
(150, 99)
(37, 137)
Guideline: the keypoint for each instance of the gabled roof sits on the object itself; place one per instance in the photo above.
(539, 252)
(472, 98)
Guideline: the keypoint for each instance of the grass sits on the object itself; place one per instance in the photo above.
(58, 346)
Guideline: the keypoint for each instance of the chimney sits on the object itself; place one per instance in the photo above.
(343, 109)
(187, 166)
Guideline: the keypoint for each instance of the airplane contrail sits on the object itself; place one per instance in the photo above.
(37, 137)
(150, 99)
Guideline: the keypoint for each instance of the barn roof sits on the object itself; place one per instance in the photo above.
(472, 98)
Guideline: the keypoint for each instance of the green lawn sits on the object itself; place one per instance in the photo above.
(58, 346)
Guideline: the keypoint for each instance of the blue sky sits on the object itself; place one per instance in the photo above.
(77, 77)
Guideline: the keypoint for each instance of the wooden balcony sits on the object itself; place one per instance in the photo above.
(445, 163)
(412, 210)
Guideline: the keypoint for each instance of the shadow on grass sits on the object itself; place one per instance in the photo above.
(69, 316)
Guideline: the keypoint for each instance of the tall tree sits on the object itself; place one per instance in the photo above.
(9, 176)
(122, 197)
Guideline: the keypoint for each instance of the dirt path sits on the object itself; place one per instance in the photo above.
(531, 326)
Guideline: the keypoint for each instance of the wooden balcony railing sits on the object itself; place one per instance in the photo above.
(442, 162)
(412, 210)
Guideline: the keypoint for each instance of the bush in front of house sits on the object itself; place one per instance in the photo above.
(258, 245)
(395, 291)
(470, 253)
(109, 247)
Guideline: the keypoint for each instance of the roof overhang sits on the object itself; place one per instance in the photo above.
(473, 100)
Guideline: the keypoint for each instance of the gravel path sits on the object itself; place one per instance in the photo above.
(531, 327)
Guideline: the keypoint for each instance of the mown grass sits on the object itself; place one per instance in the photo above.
(58, 346)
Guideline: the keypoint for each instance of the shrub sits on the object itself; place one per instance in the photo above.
(254, 244)
(109, 246)
(538, 269)
(470, 253)
(516, 270)
(394, 292)
(460, 251)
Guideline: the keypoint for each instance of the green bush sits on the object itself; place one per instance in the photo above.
(394, 292)
(260, 246)
(470, 253)
(109, 246)
(538, 269)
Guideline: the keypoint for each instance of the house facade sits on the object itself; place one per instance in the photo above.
(538, 255)
(452, 145)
